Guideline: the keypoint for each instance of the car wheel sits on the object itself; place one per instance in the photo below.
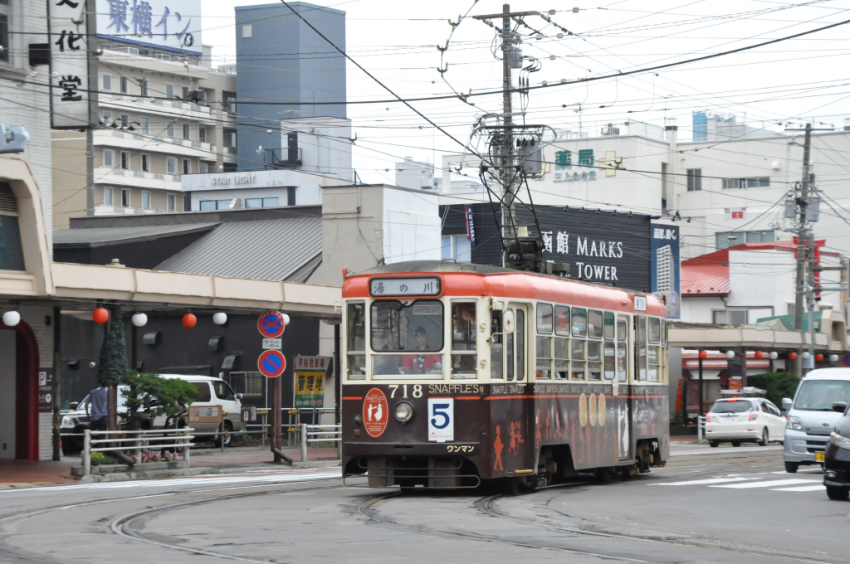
(736, 443)
(764, 437)
(838, 493)
(224, 440)
(791, 467)
(714, 444)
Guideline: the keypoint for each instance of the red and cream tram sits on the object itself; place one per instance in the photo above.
(457, 373)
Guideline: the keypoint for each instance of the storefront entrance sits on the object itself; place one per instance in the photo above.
(18, 393)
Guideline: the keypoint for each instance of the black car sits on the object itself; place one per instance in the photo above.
(836, 466)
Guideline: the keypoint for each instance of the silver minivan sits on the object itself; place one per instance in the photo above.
(811, 417)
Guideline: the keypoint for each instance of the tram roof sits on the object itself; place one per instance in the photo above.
(507, 283)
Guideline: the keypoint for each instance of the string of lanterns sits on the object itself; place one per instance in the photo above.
(773, 355)
(139, 319)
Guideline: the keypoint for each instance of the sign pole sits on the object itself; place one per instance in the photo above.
(277, 416)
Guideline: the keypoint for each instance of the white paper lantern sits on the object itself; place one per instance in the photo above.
(833, 358)
(140, 319)
(220, 318)
(774, 355)
(806, 355)
(730, 354)
(11, 318)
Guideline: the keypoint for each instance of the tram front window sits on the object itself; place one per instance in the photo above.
(464, 341)
(399, 328)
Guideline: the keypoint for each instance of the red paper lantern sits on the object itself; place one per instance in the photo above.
(792, 356)
(819, 357)
(189, 320)
(703, 354)
(100, 315)
(759, 355)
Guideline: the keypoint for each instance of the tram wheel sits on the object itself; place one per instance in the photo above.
(603, 474)
(512, 486)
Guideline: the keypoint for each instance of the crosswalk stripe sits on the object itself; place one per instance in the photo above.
(768, 484)
(705, 482)
(819, 487)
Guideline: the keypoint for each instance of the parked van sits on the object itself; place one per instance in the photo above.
(810, 415)
(211, 391)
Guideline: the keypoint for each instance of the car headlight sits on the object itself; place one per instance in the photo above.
(839, 440)
(403, 411)
(795, 423)
(68, 422)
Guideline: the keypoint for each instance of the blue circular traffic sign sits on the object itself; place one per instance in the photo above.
(846, 360)
(271, 363)
(271, 324)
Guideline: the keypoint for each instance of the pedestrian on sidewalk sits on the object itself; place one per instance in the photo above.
(98, 400)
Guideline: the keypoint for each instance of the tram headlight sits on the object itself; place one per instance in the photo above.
(403, 411)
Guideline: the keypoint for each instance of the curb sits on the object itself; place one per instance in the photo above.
(198, 471)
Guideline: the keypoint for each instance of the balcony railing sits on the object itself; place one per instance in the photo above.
(280, 158)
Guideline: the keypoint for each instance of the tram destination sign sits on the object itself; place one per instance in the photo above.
(394, 287)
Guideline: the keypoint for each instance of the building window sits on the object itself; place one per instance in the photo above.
(290, 195)
(202, 134)
(107, 196)
(732, 238)
(146, 163)
(108, 158)
(146, 200)
(169, 91)
(125, 160)
(107, 82)
(729, 317)
(4, 31)
(125, 120)
(457, 247)
(169, 129)
(187, 167)
(694, 179)
(172, 202)
(262, 202)
(739, 183)
(11, 249)
(125, 198)
(212, 205)
(233, 138)
(170, 165)
(107, 118)
(124, 84)
(144, 126)
(185, 92)
(247, 31)
(204, 168)
(186, 132)
(143, 87)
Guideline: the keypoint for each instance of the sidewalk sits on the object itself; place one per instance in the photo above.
(22, 473)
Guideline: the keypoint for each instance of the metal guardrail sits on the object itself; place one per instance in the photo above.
(136, 441)
(320, 434)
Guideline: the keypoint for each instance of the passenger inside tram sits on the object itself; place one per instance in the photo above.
(421, 363)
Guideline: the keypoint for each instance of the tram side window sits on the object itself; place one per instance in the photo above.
(577, 353)
(520, 345)
(356, 320)
(641, 346)
(464, 341)
(653, 351)
(543, 345)
(622, 349)
(610, 367)
(562, 342)
(594, 347)
(663, 376)
(496, 348)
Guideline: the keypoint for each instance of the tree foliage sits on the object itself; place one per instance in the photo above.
(778, 385)
(148, 396)
(113, 352)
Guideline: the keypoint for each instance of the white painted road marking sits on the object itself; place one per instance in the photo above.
(768, 484)
(817, 488)
(705, 482)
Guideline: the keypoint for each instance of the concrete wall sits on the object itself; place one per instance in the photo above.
(411, 226)
(325, 146)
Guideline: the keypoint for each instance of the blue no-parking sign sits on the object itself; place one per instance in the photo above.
(271, 324)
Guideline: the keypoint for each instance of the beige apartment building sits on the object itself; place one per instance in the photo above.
(161, 115)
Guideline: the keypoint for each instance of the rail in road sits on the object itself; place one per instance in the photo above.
(287, 516)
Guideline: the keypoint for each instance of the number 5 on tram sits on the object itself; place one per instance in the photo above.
(455, 374)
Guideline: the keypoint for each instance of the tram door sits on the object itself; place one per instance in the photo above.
(518, 359)
(626, 354)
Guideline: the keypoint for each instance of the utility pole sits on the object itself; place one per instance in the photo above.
(91, 62)
(801, 246)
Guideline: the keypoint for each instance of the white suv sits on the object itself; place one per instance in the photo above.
(211, 391)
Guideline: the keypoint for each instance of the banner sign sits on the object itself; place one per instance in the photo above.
(666, 274)
(167, 24)
(69, 74)
(309, 381)
(470, 225)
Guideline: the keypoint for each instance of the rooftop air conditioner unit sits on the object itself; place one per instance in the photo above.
(610, 130)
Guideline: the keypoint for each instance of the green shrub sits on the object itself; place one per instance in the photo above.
(778, 385)
(148, 396)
